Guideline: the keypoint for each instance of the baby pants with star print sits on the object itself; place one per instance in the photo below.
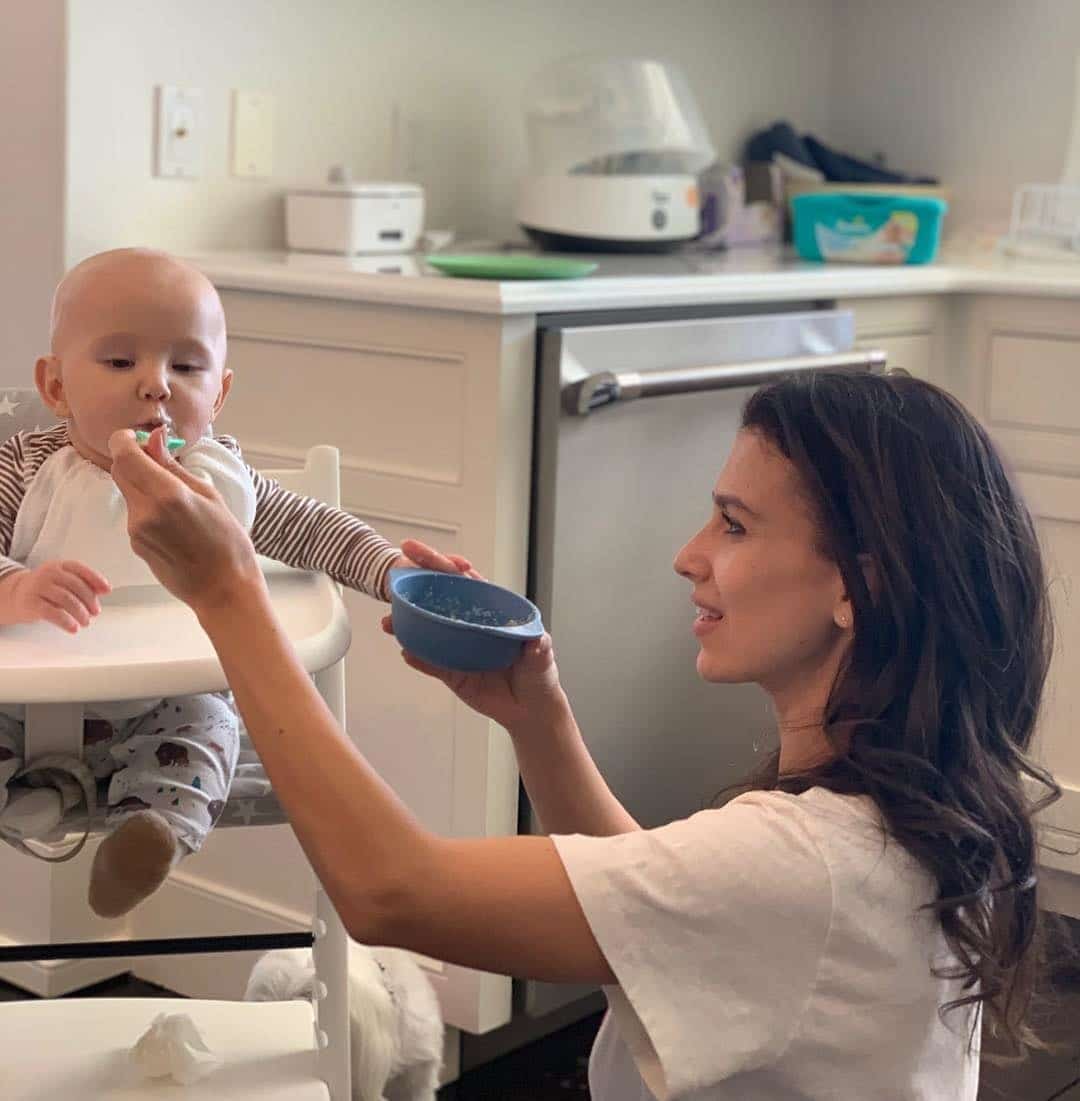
(178, 758)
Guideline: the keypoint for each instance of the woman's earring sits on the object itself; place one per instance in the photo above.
(842, 620)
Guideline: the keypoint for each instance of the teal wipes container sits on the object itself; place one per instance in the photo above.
(867, 229)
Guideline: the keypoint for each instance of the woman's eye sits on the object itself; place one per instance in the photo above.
(733, 527)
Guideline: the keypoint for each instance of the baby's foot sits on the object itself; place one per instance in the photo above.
(131, 863)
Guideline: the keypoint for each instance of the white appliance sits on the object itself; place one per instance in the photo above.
(354, 218)
(615, 148)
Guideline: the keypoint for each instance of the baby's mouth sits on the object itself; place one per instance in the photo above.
(154, 422)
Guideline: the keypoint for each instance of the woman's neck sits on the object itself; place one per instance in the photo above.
(803, 743)
(799, 706)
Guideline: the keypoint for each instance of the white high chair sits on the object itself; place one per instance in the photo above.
(143, 644)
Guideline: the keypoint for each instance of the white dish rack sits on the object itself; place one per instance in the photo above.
(1045, 222)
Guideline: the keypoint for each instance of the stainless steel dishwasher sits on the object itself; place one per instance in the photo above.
(634, 421)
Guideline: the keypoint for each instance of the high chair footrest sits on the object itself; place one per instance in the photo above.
(161, 946)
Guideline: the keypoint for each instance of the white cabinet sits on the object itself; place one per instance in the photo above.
(432, 413)
(910, 330)
(1022, 377)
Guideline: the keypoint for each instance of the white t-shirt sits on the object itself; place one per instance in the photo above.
(770, 950)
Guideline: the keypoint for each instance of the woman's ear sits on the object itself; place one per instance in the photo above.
(843, 613)
(50, 385)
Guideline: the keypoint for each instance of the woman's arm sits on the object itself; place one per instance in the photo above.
(499, 904)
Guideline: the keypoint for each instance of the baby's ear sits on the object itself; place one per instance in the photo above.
(226, 386)
(50, 384)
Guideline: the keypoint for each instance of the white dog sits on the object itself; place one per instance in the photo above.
(396, 1029)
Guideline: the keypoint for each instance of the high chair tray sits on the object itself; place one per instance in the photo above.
(145, 643)
(78, 1048)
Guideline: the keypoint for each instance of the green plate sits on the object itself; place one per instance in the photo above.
(510, 266)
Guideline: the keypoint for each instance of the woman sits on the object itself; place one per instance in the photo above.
(837, 930)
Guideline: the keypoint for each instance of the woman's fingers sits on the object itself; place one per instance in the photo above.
(539, 650)
(422, 666)
(179, 524)
(148, 472)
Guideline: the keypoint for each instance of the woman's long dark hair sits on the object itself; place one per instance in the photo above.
(934, 708)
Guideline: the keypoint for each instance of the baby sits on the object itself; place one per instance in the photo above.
(138, 341)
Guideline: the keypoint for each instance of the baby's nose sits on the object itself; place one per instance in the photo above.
(154, 383)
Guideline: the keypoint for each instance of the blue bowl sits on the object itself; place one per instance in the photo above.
(460, 623)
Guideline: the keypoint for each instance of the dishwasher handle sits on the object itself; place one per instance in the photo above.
(605, 388)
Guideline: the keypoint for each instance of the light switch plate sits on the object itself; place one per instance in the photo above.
(252, 133)
(178, 142)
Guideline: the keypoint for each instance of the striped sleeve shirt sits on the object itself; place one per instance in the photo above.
(290, 528)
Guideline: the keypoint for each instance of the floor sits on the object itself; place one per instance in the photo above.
(554, 1069)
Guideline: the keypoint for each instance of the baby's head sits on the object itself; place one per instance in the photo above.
(138, 339)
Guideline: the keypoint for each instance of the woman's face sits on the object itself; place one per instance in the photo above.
(771, 608)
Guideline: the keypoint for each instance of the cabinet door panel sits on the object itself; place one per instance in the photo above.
(390, 412)
(1031, 378)
(1055, 503)
(403, 722)
(912, 352)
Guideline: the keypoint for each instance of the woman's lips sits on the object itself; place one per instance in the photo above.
(707, 619)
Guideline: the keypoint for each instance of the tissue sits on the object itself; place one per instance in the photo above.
(173, 1046)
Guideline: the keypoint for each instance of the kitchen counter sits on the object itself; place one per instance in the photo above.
(628, 282)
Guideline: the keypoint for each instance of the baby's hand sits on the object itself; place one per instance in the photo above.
(415, 553)
(62, 593)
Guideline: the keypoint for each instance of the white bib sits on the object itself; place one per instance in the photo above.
(74, 510)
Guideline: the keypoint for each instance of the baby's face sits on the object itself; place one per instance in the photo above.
(139, 341)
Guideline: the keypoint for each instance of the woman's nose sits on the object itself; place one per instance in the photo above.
(690, 563)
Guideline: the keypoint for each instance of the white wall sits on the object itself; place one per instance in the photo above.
(32, 64)
(337, 68)
(978, 92)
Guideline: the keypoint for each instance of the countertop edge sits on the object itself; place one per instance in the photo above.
(506, 298)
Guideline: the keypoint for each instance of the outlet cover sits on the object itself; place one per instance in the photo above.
(252, 133)
(178, 142)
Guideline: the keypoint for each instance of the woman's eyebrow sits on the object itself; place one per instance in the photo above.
(727, 500)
